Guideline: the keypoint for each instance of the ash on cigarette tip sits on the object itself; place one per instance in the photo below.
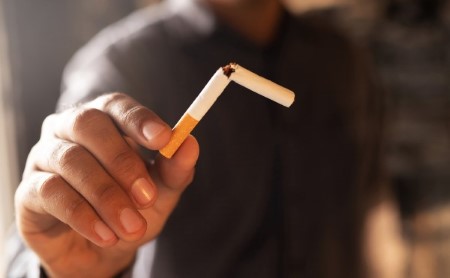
(229, 69)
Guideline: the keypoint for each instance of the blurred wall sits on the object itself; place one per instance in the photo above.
(8, 156)
(43, 35)
(410, 46)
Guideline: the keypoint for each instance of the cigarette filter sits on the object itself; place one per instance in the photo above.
(195, 112)
(213, 89)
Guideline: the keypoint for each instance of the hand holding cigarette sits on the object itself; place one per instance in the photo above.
(213, 89)
(86, 188)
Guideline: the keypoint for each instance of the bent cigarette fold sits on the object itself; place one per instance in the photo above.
(213, 89)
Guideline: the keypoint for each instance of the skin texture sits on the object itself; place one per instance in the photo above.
(81, 205)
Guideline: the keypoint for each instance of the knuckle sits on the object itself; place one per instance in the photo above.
(48, 123)
(34, 152)
(49, 186)
(105, 194)
(86, 118)
(126, 163)
(66, 155)
(89, 175)
(117, 96)
(75, 209)
(133, 115)
(32, 160)
(130, 110)
(21, 193)
(108, 99)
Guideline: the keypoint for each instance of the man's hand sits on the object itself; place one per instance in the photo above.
(87, 200)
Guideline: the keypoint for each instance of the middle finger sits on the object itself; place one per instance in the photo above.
(94, 130)
(83, 172)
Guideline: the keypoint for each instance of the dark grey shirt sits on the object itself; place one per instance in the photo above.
(278, 192)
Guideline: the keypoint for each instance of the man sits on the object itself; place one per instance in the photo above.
(277, 192)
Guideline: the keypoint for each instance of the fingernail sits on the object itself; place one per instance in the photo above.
(152, 129)
(142, 191)
(103, 231)
(130, 221)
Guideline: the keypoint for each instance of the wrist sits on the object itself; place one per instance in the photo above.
(93, 268)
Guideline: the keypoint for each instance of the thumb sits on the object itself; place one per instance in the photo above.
(171, 176)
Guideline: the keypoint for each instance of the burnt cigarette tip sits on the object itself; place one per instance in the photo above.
(229, 69)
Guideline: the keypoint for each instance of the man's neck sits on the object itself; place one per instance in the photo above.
(256, 20)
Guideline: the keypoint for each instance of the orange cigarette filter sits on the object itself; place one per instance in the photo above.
(195, 112)
(179, 133)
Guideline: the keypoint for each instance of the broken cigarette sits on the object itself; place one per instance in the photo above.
(213, 89)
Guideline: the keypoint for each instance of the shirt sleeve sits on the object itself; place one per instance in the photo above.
(21, 262)
(24, 263)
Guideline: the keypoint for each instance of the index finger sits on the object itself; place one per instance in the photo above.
(97, 126)
(135, 120)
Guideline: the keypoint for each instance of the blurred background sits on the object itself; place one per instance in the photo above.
(409, 42)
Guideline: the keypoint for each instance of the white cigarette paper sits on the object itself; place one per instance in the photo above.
(262, 86)
(213, 89)
(208, 95)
